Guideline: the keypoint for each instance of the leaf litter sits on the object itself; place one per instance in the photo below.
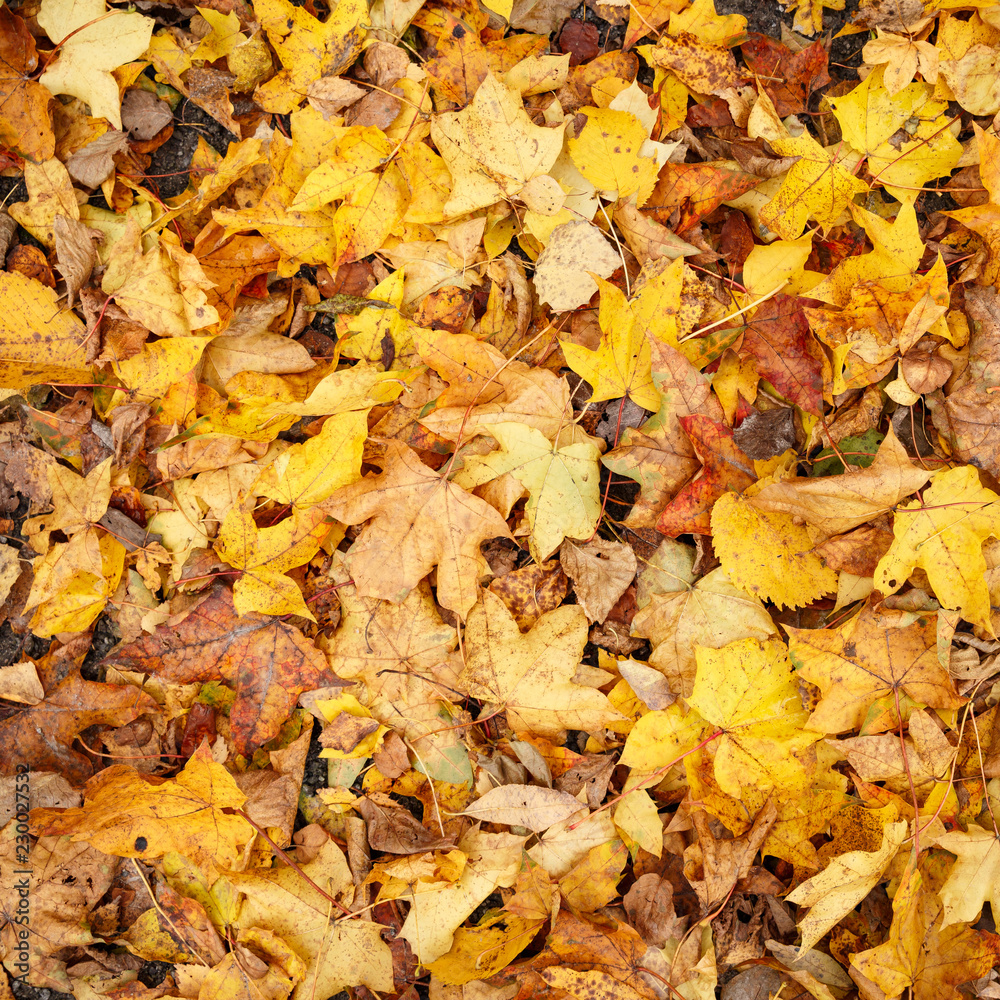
(500, 501)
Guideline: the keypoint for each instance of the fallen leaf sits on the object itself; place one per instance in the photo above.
(267, 662)
(92, 42)
(563, 483)
(125, 815)
(862, 661)
(601, 572)
(530, 676)
(389, 558)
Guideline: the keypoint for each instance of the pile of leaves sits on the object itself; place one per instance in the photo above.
(520, 520)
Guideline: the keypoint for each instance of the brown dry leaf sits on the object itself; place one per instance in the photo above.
(601, 572)
(391, 556)
(393, 828)
(42, 734)
(833, 505)
(76, 252)
(93, 164)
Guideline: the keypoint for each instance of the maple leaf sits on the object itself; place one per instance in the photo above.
(842, 885)
(974, 878)
(869, 116)
(42, 734)
(927, 761)
(809, 14)
(401, 653)
(836, 504)
(25, 122)
(309, 472)
(707, 612)
(621, 365)
(92, 41)
(492, 861)
(74, 581)
(266, 554)
(786, 353)
(724, 468)
(863, 661)
(125, 815)
(417, 520)
(491, 148)
(767, 554)
(742, 699)
(902, 56)
(27, 355)
(267, 662)
(308, 48)
(373, 191)
(816, 187)
(530, 675)
(923, 954)
(563, 483)
(944, 536)
(788, 77)
(609, 153)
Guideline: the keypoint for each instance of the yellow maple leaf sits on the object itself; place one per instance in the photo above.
(50, 194)
(920, 953)
(94, 41)
(944, 536)
(819, 185)
(744, 697)
(309, 472)
(809, 14)
(163, 288)
(748, 690)
(709, 612)
(563, 482)
(125, 815)
(492, 148)
(608, 152)
(301, 237)
(975, 877)
(767, 554)
(870, 116)
(902, 56)
(266, 554)
(362, 174)
(622, 364)
(224, 38)
(74, 581)
(290, 903)
(530, 675)
(842, 885)
(865, 661)
(307, 47)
